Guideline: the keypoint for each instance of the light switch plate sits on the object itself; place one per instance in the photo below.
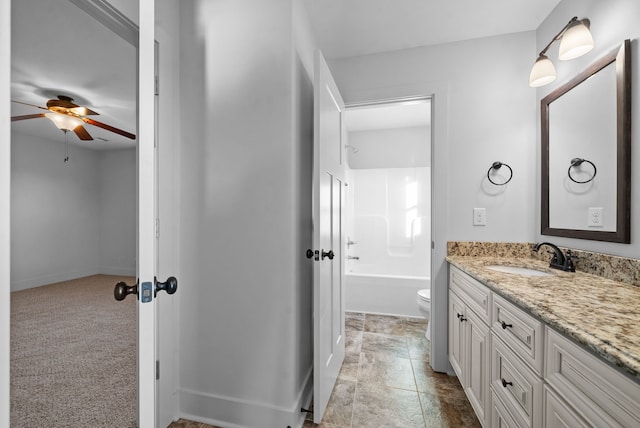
(479, 216)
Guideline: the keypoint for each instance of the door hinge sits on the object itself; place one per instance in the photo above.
(157, 369)
(157, 86)
(157, 228)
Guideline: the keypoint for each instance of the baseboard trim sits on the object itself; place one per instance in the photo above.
(118, 271)
(232, 412)
(25, 284)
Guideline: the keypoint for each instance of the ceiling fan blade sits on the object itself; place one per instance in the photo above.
(30, 105)
(82, 133)
(26, 116)
(82, 111)
(108, 128)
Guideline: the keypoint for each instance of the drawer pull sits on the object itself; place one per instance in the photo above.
(459, 316)
(505, 383)
(505, 325)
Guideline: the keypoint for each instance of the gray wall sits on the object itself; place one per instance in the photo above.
(69, 220)
(245, 315)
(611, 23)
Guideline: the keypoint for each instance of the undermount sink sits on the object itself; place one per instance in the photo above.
(519, 270)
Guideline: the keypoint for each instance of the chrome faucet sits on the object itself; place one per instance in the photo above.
(559, 259)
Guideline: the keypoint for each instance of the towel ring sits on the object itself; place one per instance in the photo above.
(497, 165)
(576, 162)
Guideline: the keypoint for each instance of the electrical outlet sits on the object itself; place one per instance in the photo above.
(594, 217)
(479, 216)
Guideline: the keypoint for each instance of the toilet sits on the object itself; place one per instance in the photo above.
(424, 306)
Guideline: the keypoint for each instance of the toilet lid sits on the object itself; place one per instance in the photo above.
(425, 294)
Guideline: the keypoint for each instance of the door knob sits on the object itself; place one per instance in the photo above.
(170, 285)
(328, 254)
(122, 290)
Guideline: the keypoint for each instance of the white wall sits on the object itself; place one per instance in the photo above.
(57, 221)
(55, 208)
(245, 188)
(117, 240)
(389, 148)
(491, 117)
(611, 23)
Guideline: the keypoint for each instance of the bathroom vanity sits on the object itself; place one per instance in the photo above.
(538, 347)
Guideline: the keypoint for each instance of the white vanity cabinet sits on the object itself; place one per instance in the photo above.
(602, 396)
(469, 305)
(519, 372)
(516, 362)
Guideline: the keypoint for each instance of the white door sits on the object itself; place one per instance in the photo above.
(328, 272)
(167, 158)
(146, 217)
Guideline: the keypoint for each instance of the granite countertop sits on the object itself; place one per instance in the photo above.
(601, 314)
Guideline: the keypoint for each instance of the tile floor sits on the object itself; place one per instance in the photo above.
(386, 381)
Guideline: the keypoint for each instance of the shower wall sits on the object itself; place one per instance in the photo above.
(389, 221)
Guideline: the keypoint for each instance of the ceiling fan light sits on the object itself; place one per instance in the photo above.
(576, 41)
(63, 121)
(542, 73)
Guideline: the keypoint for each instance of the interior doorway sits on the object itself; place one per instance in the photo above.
(388, 205)
(73, 216)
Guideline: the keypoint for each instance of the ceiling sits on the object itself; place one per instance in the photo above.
(59, 49)
(346, 28)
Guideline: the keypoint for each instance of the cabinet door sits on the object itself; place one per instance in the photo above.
(478, 365)
(457, 317)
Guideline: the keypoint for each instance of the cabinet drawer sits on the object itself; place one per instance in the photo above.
(476, 295)
(558, 414)
(519, 387)
(522, 332)
(599, 393)
(500, 417)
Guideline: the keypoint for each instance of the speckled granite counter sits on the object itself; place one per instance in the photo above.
(601, 314)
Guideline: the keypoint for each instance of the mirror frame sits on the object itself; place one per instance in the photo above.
(622, 59)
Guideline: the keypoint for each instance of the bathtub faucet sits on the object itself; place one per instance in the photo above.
(353, 258)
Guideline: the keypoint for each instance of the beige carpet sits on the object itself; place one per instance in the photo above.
(73, 355)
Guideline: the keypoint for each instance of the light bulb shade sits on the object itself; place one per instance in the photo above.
(542, 73)
(63, 121)
(576, 41)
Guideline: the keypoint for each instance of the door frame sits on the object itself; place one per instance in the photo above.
(146, 314)
(438, 92)
(5, 209)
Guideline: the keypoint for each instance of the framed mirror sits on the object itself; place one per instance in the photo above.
(586, 153)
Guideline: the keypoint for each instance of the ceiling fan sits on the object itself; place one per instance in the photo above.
(68, 116)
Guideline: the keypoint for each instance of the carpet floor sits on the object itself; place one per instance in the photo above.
(73, 355)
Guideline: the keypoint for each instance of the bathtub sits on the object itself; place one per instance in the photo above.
(383, 294)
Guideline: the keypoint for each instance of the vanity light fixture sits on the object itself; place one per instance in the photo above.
(575, 40)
